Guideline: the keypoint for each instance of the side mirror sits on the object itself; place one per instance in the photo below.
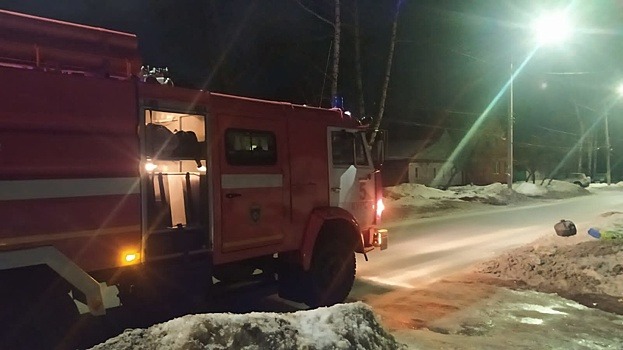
(378, 149)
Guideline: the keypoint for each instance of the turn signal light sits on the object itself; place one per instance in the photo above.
(130, 257)
(379, 208)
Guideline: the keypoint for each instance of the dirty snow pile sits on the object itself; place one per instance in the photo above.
(409, 200)
(343, 326)
(494, 194)
(573, 266)
(555, 189)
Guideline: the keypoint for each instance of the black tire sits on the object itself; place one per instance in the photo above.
(332, 272)
(292, 282)
(42, 321)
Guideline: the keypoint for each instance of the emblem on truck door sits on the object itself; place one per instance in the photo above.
(256, 212)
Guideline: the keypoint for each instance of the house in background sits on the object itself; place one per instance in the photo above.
(403, 142)
(399, 155)
(416, 159)
(428, 164)
(488, 157)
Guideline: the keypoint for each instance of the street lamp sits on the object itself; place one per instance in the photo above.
(552, 28)
(549, 29)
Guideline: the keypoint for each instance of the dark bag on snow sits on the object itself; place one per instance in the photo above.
(565, 228)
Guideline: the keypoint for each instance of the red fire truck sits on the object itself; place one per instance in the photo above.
(113, 182)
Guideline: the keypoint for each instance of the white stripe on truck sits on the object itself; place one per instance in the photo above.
(230, 181)
(67, 188)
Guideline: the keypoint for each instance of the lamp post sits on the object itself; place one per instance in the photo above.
(619, 91)
(548, 29)
(509, 138)
(608, 176)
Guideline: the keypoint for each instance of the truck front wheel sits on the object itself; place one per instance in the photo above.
(332, 272)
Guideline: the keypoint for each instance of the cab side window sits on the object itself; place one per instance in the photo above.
(361, 158)
(348, 149)
(250, 147)
(343, 148)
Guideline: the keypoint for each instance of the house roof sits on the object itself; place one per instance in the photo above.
(440, 150)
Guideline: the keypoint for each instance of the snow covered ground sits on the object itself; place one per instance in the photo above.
(558, 293)
(555, 293)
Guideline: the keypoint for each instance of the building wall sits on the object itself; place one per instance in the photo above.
(425, 172)
(394, 172)
(487, 171)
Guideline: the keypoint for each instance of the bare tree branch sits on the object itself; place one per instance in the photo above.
(314, 13)
(392, 44)
(336, 48)
(359, 75)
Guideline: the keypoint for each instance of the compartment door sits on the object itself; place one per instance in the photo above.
(253, 205)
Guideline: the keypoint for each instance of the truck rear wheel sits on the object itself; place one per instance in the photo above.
(332, 272)
(37, 320)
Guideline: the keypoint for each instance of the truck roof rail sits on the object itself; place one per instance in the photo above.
(35, 42)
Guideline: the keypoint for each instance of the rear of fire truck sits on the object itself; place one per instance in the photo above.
(69, 189)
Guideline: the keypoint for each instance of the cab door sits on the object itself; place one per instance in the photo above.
(253, 208)
(351, 174)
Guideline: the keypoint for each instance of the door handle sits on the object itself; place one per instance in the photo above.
(303, 185)
(233, 195)
(335, 189)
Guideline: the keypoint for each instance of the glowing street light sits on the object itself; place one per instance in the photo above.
(552, 28)
(549, 29)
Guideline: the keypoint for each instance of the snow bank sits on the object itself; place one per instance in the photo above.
(562, 189)
(415, 200)
(343, 326)
(573, 265)
(530, 189)
(415, 190)
(495, 194)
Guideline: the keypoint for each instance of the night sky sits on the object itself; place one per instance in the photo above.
(452, 57)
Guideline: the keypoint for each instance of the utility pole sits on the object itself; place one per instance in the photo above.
(608, 177)
(509, 137)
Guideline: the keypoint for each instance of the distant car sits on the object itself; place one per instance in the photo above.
(599, 178)
(579, 179)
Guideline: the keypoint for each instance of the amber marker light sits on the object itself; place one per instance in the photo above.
(130, 257)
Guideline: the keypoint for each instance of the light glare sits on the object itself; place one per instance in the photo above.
(552, 28)
(130, 257)
(149, 166)
(380, 206)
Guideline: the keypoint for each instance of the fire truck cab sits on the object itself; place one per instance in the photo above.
(113, 181)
